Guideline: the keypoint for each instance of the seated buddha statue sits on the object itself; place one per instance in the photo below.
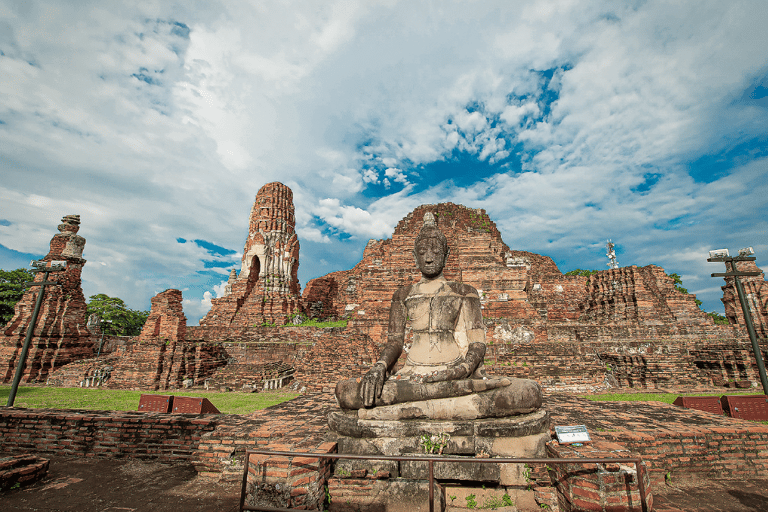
(443, 376)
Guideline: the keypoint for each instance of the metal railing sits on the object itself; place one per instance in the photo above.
(638, 462)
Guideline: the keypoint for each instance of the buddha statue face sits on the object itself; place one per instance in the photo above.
(431, 254)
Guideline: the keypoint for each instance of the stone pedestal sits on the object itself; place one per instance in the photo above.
(525, 435)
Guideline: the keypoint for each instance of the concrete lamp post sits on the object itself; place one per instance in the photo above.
(38, 266)
(744, 255)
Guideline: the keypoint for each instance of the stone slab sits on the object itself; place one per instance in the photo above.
(511, 426)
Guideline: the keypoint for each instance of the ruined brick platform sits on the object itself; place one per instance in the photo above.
(21, 470)
(670, 438)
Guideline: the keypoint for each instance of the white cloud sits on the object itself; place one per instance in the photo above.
(152, 134)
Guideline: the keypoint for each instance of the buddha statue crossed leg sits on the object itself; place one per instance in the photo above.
(443, 375)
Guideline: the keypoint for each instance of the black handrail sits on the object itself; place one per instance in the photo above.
(431, 460)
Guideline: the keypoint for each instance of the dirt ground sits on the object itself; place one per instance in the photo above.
(121, 485)
(700, 495)
(127, 485)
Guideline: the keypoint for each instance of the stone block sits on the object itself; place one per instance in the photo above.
(465, 471)
(399, 495)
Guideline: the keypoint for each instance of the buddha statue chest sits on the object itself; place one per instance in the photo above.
(434, 317)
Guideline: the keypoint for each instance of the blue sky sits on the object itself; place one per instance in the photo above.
(569, 122)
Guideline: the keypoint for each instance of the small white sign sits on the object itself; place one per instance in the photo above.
(572, 434)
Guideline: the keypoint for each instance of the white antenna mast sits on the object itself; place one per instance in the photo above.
(611, 255)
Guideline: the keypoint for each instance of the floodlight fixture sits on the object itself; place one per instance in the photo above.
(747, 251)
(719, 255)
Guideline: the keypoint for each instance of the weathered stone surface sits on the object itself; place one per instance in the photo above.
(60, 335)
(398, 391)
(490, 436)
(267, 288)
(471, 471)
(520, 397)
(399, 495)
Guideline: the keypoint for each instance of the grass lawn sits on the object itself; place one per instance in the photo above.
(667, 398)
(123, 400)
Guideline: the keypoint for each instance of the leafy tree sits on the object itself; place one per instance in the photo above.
(116, 318)
(678, 286)
(718, 318)
(580, 272)
(12, 288)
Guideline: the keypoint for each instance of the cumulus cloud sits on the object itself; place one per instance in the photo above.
(158, 121)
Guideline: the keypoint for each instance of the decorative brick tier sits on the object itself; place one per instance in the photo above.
(654, 364)
(320, 357)
(151, 365)
(60, 335)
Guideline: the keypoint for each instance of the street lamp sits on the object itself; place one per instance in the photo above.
(744, 255)
(47, 268)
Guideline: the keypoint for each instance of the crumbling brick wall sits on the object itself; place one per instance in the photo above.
(166, 318)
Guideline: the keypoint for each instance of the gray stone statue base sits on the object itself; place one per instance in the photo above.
(523, 435)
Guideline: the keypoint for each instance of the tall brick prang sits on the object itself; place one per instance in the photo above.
(267, 287)
(60, 334)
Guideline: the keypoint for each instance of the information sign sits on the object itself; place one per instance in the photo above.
(572, 434)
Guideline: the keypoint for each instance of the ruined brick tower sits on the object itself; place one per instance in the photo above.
(60, 334)
(267, 287)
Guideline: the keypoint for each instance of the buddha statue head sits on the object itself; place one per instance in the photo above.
(431, 248)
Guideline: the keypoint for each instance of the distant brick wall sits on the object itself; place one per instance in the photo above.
(321, 357)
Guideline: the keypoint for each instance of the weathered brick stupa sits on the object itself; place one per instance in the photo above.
(267, 288)
(524, 295)
(60, 334)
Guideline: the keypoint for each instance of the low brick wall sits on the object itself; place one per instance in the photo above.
(21, 470)
(164, 437)
(607, 486)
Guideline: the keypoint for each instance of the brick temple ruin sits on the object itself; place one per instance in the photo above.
(628, 326)
(60, 334)
(621, 327)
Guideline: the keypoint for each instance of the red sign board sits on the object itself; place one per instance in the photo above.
(194, 405)
(155, 403)
(700, 403)
(746, 407)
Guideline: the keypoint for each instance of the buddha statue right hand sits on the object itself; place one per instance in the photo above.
(373, 383)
